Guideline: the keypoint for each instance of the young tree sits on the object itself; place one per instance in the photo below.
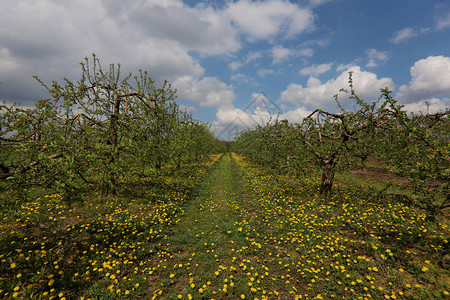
(417, 146)
(335, 138)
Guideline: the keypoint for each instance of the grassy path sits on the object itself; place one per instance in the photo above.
(207, 240)
(221, 249)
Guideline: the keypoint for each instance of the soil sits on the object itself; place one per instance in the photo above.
(380, 175)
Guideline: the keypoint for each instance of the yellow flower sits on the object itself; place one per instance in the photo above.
(13, 265)
(242, 296)
(424, 269)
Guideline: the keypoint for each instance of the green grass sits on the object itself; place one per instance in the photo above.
(100, 249)
(230, 230)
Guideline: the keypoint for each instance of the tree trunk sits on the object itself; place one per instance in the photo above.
(113, 126)
(327, 178)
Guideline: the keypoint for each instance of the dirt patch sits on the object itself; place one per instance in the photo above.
(380, 175)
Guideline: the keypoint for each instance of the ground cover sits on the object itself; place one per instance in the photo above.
(99, 249)
(245, 233)
(348, 246)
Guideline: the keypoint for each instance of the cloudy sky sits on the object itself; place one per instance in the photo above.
(229, 59)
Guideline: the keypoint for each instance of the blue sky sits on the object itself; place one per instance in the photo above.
(220, 55)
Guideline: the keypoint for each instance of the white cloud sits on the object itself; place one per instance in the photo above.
(306, 52)
(443, 21)
(374, 57)
(321, 43)
(404, 34)
(315, 3)
(241, 78)
(264, 72)
(430, 77)
(156, 35)
(296, 115)
(432, 105)
(343, 67)
(265, 19)
(235, 65)
(407, 33)
(197, 29)
(252, 56)
(280, 54)
(321, 95)
(233, 120)
(208, 91)
(187, 108)
(7, 63)
(316, 70)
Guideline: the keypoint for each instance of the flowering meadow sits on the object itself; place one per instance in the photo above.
(224, 229)
(346, 247)
(103, 248)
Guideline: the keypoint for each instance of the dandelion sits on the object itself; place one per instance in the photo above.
(424, 269)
